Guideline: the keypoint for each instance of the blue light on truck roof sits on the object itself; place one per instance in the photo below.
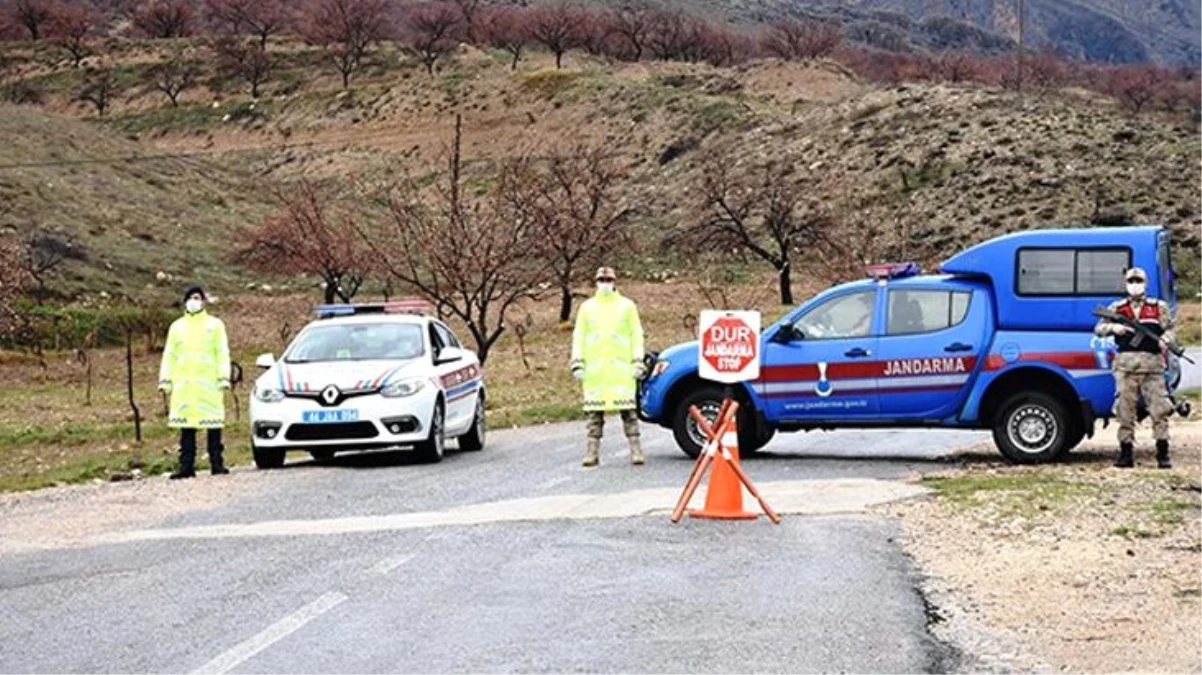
(893, 270)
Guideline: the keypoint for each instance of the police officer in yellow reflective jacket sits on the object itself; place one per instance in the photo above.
(607, 357)
(196, 372)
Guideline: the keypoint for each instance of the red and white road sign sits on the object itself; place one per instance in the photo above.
(730, 346)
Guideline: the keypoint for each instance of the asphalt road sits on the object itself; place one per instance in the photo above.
(375, 564)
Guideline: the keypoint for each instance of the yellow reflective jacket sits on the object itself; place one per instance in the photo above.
(608, 344)
(196, 367)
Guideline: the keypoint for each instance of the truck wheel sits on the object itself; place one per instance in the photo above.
(708, 400)
(1032, 428)
(268, 458)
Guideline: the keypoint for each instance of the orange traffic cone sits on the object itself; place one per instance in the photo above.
(724, 493)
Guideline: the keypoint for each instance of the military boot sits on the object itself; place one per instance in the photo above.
(1162, 455)
(636, 451)
(183, 473)
(592, 456)
(1126, 458)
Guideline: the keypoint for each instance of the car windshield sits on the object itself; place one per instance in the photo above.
(357, 342)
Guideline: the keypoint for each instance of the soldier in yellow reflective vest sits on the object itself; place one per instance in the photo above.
(196, 372)
(607, 357)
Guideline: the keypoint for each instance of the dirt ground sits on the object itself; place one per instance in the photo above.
(1069, 568)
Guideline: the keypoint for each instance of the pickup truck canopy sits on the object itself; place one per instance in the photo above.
(1052, 279)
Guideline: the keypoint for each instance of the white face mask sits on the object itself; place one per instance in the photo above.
(1136, 289)
(605, 287)
(194, 305)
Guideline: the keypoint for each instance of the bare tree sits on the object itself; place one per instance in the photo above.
(507, 28)
(44, 252)
(346, 29)
(99, 88)
(956, 67)
(555, 27)
(260, 18)
(32, 15)
(472, 258)
(430, 31)
(173, 76)
(470, 14)
(667, 34)
(631, 23)
(574, 205)
(164, 19)
(762, 212)
(248, 61)
(306, 236)
(794, 39)
(1136, 86)
(72, 27)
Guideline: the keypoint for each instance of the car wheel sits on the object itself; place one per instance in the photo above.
(1033, 428)
(474, 439)
(322, 455)
(268, 458)
(433, 448)
(708, 400)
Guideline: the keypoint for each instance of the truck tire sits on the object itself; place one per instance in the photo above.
(1033, 428)
(708, 400)
(267, 458)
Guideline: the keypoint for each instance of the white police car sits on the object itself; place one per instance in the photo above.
(365, 377)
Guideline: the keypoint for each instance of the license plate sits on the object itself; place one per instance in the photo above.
(329, 416)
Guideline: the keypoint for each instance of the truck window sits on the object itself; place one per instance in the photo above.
(1164, 260)
(844, 316)
(925, 311)
(1072, 271)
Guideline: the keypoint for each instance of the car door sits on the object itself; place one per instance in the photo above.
(929, 348)
(820, 366)
(459, 379)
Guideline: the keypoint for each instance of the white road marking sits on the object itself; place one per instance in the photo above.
(389, 564)
(272, 634)
(810, 497)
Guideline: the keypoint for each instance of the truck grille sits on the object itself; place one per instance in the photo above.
(331, 432)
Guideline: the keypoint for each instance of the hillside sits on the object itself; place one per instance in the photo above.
(912, 171)
(125, 214)
(1108, 31)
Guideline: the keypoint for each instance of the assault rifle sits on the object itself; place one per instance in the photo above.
(1141, 331)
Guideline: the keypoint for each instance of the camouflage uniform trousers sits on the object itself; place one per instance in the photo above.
(1137, 373)
(630, 424)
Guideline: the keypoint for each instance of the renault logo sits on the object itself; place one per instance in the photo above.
(330, 395)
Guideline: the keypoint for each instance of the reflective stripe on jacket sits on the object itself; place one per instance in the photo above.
(608, 344)
(196, 363)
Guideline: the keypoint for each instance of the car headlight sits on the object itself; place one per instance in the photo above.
(407, 387)
(269, 395)
(660, 367)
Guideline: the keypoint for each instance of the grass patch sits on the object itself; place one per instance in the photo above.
(1132, 532)
(1025, 495)
(539, 413)
(1189, 322)
(1169, 510)
(547, 83)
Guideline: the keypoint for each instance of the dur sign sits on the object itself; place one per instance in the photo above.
(730, 346)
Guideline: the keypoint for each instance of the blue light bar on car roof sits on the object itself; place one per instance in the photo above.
(893, 270)
(394, 307)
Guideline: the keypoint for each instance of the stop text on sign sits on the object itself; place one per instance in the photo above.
(729, 343)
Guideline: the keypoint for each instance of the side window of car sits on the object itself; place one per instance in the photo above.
(436, 343)
(446, 336)
(915, 311)
(845, 316)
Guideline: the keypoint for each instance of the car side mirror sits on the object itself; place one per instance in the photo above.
(448, 355)
(787, 333)
(265, 361)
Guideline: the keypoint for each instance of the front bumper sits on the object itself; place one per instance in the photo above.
(381, 422)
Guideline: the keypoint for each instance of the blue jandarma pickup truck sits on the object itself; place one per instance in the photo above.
(1002, 339)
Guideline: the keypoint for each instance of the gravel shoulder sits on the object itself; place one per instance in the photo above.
(1077, 567)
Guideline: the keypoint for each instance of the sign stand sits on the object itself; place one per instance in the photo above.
(730, 352)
